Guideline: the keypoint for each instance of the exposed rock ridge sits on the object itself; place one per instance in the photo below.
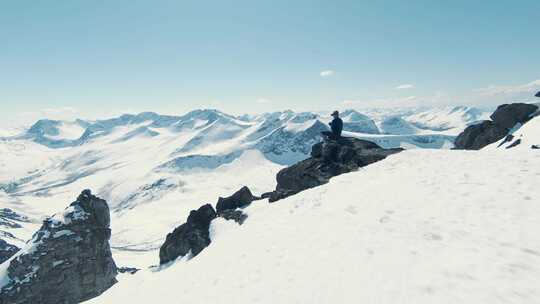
(68, 260)
(328, 159)
(505, 118)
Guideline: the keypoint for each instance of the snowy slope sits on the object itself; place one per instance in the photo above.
(456, 227)
(450, 119)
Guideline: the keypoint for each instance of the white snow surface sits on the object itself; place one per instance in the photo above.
(422, 226)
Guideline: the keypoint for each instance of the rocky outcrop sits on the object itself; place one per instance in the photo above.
(7, 251)
(328, 159)
(234, 215)
(477, 136)
(537, 94)
(68, 259)
(189, 238)
(508, 115)
(239, 199)
(505, 118)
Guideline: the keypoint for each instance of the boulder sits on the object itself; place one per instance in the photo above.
(239, 199)
(189, 238)
(68, 260)
(130, 270)
(475, 137)
(508, 115)
(234, 215)
(7, 251)
(504, 118)
(328, 159)
(537, 94)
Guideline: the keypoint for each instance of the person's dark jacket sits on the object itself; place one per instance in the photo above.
(337, 126)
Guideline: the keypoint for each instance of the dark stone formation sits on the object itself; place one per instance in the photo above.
(130, 270)
(6, 251)
(507, 139)
(516, 143)
(69, 258)
(190, 237)
(535, 147)
(475, 137)
(506, 116)
(328, 159)
(266, 195)
(234, 215)
(537, 94)
(239, 199)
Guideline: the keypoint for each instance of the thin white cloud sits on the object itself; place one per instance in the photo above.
(492, 90)
(404, 86)
(327, 73)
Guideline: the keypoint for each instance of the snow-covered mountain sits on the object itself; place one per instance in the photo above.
(452, 119)
(146, 159)
(345, 239)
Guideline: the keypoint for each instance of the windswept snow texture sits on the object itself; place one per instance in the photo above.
(422, 226)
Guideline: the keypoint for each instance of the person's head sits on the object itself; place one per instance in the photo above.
(335, 114)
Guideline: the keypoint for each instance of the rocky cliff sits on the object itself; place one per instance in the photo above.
(68, 260)
(503, 120)
(328, 159)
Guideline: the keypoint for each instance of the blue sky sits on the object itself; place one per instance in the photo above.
(104, 57)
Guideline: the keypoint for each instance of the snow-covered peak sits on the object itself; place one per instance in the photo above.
(353, 116)
(447, 118)
(398, 126)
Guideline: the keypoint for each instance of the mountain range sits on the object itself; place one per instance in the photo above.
(153, 169)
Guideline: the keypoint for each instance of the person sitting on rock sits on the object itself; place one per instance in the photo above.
(336, 125)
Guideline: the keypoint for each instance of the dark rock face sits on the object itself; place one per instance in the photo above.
(506, 116)
(537, 94)
(328, 159)
(6, 251)
(234, 215)
(239, 199)
(514, 144)
(190, 237)
(68, 260)
(535, 147)
(130, 270)
(475, 137)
